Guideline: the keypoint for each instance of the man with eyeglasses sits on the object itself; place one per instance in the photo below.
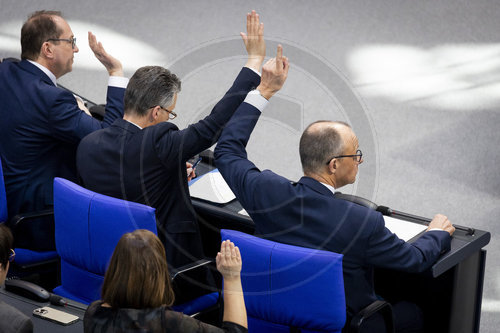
(142, 157)
(306, 213)
(41, 123)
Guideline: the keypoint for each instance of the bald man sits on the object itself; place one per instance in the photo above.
(306, 213)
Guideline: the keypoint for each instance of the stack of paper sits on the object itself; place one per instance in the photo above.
(212, 187)
(403, 229)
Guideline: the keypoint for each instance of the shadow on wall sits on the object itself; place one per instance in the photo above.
(449, 77)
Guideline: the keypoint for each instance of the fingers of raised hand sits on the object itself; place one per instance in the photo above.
(237, 253)
(254, 27)
(229, 251)
(244, 37)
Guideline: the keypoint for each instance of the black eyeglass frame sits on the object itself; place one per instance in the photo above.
(171, 114)
(359, 155)
(71, 40)
(12, 255)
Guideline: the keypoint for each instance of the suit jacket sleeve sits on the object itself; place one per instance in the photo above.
(201, 135)
(242, 176)
(385, 249)
(68, 123)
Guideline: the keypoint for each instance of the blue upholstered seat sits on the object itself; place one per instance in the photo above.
(289, 286)
(88, 226)
(24, 257)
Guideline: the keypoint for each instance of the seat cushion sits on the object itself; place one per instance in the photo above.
(198, 304)
(82, 284)
(25, 257)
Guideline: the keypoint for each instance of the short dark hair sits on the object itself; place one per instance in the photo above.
(6, 241)
(39, 27)
(137, 276)
(318, 143)
(150, 86)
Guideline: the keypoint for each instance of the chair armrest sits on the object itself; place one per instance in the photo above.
(200, 264)
(193, 280)
(382, 307)
(18, 220)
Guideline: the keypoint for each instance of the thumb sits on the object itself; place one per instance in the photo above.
(244, 37)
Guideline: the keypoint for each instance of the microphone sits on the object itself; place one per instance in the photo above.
(57, 300)
(384, 210)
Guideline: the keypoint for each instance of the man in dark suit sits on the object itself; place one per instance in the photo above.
(142, 158)
(41, 123)
(306, 213)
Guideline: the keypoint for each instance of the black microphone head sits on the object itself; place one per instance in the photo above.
(57, 300)
(384, 210)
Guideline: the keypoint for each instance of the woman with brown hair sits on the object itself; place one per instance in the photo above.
(137, 295)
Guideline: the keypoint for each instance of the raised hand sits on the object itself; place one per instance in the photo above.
(228, 260)
(274, 74)
(113, 65)
(254, 41)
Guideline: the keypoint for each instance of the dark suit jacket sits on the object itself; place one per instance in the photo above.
(307, 214)
(41, 126)
(149, 166)
(14, 321)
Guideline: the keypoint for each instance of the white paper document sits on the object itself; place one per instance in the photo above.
(403, 229)
(243, 212)
(212, 187)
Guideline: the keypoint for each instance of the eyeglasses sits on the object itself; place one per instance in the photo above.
(171, 114)
(359, 156)
(12, 255)
(71, 40)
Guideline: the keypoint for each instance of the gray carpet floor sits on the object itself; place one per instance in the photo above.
(418, 81)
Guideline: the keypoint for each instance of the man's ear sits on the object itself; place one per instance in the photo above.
(333, 165)
(154, 114)
(46, 51)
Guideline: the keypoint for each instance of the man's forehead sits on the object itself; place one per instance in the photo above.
(62, 24)
(345, 131)
(348, 135)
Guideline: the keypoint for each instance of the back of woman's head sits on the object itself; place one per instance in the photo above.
(137, 276)
(6, 241)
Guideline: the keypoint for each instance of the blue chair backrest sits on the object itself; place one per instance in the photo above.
(289, 286)
(88, 226)
(3, 197)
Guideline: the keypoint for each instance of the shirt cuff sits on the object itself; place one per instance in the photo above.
(255, 99)
(255, 71)
(118, 82)
(437, 229)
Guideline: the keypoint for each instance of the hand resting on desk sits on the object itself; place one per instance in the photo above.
(441, 222)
